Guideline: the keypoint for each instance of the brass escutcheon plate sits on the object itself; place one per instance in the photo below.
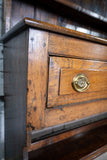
(80, 82)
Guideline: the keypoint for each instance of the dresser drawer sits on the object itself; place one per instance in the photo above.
(61, 74)
(43, 71)
(66, 46)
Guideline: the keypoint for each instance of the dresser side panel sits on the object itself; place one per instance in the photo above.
(15, 88)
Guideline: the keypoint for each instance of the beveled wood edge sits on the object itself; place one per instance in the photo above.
(65, 135)
(58, 129)
(95, 154)
(49, 27)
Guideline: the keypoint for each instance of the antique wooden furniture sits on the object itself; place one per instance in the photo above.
(55, 81)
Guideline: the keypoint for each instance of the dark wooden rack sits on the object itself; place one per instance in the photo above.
(58, 12)
(74, 11)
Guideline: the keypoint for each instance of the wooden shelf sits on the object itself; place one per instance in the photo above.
(81, 146)
(78, 13)
(82, 10)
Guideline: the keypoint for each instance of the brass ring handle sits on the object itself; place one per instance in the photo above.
(80, 82)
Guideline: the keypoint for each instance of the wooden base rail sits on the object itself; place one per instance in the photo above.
(60, 137)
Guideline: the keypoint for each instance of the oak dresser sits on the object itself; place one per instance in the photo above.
(55, 81)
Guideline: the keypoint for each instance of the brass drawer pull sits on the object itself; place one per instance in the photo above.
(80, 82)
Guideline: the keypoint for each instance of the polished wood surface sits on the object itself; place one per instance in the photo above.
(75, 147)
(61, 73)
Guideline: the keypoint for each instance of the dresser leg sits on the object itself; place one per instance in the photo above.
(25, 154)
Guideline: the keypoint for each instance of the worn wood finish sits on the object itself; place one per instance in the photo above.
(65, 135)
(31, 74)
(75, 147)
(44, 133)
(74, 112)
(71, 47)
(37, 78)
(61, 74)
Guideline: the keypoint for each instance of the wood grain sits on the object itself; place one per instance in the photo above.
(73, 112)
(37, 78)
(63, 30)
(27, 49)
(97, 79)
(71, 47)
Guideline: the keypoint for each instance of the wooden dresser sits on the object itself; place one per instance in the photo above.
(55, 82)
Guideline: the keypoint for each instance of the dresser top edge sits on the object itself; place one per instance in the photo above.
(29, 22)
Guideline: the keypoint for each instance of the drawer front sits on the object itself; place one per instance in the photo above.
(51, 99)
(61, 45)
(61, 74)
